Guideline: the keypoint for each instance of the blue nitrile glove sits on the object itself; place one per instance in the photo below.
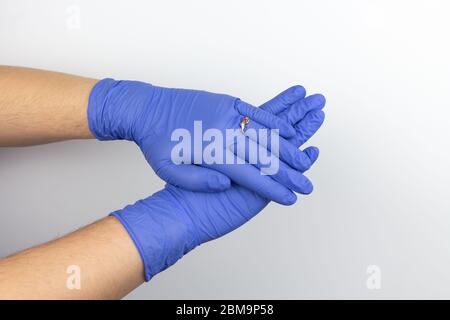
(173, 221)
(148, 115)
(306, 116)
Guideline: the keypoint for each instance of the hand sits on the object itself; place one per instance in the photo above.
(173, 221)
(148, 115)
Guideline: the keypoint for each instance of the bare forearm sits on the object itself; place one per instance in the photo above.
(39, 106)
(108, 263)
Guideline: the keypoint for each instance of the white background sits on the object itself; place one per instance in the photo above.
(381, 183)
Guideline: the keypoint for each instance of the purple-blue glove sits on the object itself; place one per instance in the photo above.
(173, 221)
(149, 115)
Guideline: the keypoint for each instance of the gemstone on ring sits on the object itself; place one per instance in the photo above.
(245, 120)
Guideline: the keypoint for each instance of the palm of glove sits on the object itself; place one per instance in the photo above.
(175, 109)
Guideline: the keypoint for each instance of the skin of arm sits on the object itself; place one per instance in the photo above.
(109, 266)
(38, 106)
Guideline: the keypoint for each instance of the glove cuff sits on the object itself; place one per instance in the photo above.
(160, 230)
(97, 120)
(114, 107)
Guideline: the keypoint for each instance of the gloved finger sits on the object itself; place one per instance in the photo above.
(313, 153)
(292, 179)
(270, 165)
(299, 109)
(265, 118)
(284, 100)
(307, 127)
(285, 149)
(194, 178)
(251, 178)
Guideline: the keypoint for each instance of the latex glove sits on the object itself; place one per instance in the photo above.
(172, 222)
(148, 115)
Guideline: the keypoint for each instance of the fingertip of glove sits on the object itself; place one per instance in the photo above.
(312, 153)
(318, 100)
(298, 90)
(308, 187)
(289, 199)
(317, 116)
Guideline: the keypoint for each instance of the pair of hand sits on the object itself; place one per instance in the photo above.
(202, 202)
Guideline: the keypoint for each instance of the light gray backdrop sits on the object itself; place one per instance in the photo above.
(382, 181)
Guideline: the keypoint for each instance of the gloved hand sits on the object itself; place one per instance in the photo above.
(148, 115)
(173, 221)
